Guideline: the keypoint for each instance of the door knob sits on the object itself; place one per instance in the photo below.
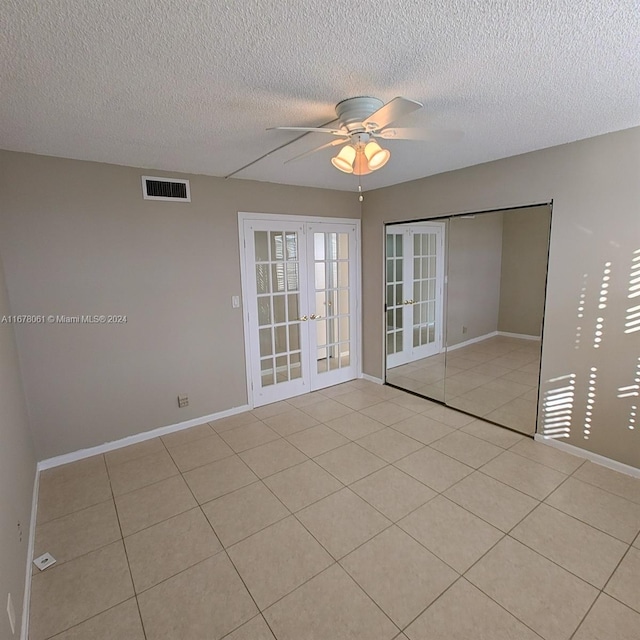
(313, 316)
(303, 319)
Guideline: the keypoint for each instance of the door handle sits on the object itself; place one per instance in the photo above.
(313, 316)
(303, 318)
(409, 302)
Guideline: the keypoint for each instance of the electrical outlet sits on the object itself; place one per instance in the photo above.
(464, 329)
(235, 302)
(44, 561)
(183, 401)
(11, 612)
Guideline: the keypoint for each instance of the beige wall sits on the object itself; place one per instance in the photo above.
(17, 472)
(595, 190)
(77, 238)
(525, 244)
(473, 289)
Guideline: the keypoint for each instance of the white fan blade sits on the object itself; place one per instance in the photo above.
(390, 112)
(333, 143)
(335, 132)
(418, 134)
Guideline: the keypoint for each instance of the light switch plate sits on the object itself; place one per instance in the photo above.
(44, 561)
(235, 302)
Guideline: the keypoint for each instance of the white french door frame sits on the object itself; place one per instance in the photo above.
(244, 217)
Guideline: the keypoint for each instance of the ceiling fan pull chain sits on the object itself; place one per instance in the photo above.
(360, 197)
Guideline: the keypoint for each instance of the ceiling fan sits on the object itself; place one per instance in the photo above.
(362, 121)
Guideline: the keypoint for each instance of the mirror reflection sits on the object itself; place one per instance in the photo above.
(465, 304)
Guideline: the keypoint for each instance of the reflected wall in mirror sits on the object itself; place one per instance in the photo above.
(486, 361)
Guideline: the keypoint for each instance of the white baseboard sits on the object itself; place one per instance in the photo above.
(589, 455)
(26, 601)
(139, 437)
(466, 343)
(373, 379)
(522, 336)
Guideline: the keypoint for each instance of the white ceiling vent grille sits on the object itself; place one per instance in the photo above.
(168, 189)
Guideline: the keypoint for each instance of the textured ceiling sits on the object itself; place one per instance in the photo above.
(192, 86)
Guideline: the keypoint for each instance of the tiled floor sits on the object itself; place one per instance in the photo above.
(356, 513)
(495, 379)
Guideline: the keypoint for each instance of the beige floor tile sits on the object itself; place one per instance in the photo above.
(220, 477)
(60, 497)
(547, 455)
(523, 377)
(255, 629)
(358, 399)
(270, 410)
(465, 613)
(118, 623)
(141, 472)
(191, 434)
(204, 602)
(423, 429)
(276, 560)
(65, 595)
(468, 449)
(87, 469)
(302, 485)
(479, 401)
(389, 444)
(78, 533)
(393, 492)
(494, 502)
(489, 369)
(244, 512)
(450, 417)
(399, 574)
(330, 606)
(307, 399)
(327, 409)
(525, 475)
(342, 521)
(451, 532)
(433, 468)
(528, 585)
(291, 421)
(574, 545)
(609, 619)
(272, 457)
(197, 453)
(231, 422)
(619, 483)
(317, 440)
(518, 414)
(387, 412)
(491, 433)
(601, 509)
(625, 583)
(355, 425)
(161, 551)
(413, 403)
(133, 451)
(249, 436)
(350, 462)
(155, 503)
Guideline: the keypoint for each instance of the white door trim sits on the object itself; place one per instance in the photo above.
(244, 216)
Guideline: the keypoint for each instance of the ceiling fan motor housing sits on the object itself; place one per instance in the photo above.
(352, 112)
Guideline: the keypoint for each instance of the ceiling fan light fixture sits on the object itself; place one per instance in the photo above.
(377, 157)
(344, 160)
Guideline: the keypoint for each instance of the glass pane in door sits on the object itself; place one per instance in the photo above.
(395, 268)
(332, 292)
(278, 292)
(424, 288)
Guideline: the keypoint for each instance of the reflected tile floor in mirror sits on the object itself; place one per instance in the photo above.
(356, 513)
(496, 379)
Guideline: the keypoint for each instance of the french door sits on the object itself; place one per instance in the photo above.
(300, 286)
(414, 291)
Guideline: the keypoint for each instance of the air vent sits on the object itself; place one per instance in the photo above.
(168, 189)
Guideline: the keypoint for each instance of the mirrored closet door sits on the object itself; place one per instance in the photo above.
(488, 292)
